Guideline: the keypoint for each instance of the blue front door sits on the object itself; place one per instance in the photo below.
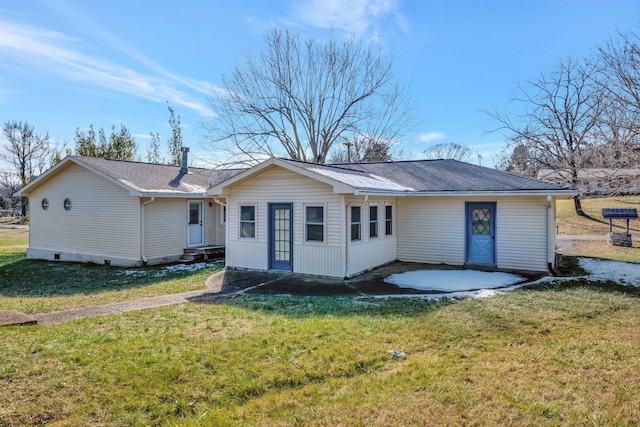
(280, 236)
(481, 233)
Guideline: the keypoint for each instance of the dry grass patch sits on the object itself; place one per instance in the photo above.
(13, 237)
(600, 249)
(570, 223)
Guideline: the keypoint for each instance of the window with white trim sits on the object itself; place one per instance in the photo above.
(248, 221)
(356, 223)
(373, 221)
(388, 220)
(314, 223)
(223, 214)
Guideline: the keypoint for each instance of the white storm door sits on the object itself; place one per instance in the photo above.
(195, 226)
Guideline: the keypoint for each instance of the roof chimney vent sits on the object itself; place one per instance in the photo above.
(184, 168)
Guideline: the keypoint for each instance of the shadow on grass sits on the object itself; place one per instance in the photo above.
(20, 277)
(296, 295)
(570, 273)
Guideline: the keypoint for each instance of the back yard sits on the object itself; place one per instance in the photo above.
(560, 353)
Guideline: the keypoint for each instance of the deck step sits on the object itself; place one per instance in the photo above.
(205, 253)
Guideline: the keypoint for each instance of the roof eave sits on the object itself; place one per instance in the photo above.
(511, 193)
(170, 195)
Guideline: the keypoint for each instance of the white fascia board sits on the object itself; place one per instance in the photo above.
(24, 191)
(555, 193)
(169, 195)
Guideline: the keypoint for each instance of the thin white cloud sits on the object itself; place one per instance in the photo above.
(34, 48)
(431, 136)
(364, 18)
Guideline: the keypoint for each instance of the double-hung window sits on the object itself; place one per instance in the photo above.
(314, 223)
(373, 221)
(388, 220)
(248, 221)
(356, 223)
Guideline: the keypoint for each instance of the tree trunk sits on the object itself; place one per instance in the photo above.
(577, 202)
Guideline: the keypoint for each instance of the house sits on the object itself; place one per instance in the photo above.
(598, 181)
(341, 220)
(122, 213)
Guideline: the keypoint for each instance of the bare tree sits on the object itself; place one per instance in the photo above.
(450, 150)
(29, 153)
(362, 150)
(301, 98)
(559, 115)
(619, 80)
(620, 76)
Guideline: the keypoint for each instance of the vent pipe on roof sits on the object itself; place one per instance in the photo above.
(184, 168)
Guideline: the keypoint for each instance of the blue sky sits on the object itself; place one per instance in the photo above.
(71, 63)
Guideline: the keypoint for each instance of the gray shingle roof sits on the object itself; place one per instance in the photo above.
(158, 179)
(429, 176)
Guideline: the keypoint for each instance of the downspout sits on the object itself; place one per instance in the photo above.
(343, 245)
(551, 250)
(142, 229)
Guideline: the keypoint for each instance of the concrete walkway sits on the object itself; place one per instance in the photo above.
(230, 283)
(213, 287)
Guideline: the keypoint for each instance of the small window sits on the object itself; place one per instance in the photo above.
(373, 221)
(388, 220)
(223, 214)
(194, 213)
(356, 215)
(248, 222)
(45, 204)
(67, 204)
(314, 223)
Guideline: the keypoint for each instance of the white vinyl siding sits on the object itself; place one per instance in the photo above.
(521, 233)
(102, 224)
(278, 185)
(432, 230)
(166, 228)
(370, 252)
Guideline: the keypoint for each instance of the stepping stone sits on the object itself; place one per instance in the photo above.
(13, 317)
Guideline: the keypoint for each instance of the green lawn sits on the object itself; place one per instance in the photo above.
(564, 356)
(40, 286)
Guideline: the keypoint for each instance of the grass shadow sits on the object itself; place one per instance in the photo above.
(34, 278)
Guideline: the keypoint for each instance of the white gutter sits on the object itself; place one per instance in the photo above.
(142, 228)
(464, 193)
(176, 195)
